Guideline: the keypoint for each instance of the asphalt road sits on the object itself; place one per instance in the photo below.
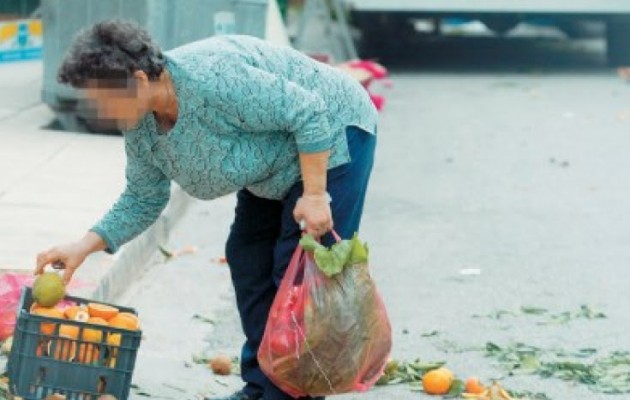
(501, 182)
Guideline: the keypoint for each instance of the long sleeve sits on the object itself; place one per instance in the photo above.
(146, 194)
(255, 100)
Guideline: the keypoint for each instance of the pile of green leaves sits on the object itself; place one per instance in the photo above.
(610, 374)
(398, 372)
(585, 312)
(331, 260)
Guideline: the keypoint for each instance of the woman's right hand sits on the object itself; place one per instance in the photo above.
(69, 256)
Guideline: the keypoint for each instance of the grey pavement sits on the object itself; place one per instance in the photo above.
(491, 192)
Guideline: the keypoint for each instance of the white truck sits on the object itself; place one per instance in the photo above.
(388, 21)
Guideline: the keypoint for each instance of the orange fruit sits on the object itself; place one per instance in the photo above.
(71, 311)
(474, 386)
(35, 306)
(88, 353)
(69, 331)
(66, 347)
(113, 340)
(76, 313)
(132, 317)
(221, 365)
(438, 381)
(52, 312)
(94, 335)
(125, 321)
(42, 348)
(104, 311)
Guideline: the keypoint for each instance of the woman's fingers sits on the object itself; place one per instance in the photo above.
(67, 275)
(316, 228)
(45, 258)
(314, 215)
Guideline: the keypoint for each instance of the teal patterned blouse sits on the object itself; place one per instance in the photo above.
(246, 109)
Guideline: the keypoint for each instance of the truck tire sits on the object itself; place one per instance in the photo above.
(582, 29)
(500, 24)
(618, 32)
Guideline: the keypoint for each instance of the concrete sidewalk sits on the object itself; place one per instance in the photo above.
(55, 185)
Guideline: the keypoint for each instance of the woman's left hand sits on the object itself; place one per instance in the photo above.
(314, 211)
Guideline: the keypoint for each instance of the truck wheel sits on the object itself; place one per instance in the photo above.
(582, 29)
(500, 24)
(618, 32)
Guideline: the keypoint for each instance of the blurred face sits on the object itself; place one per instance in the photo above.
(121, 104)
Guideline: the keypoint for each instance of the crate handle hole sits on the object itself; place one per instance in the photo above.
(41, 376)
(102, 385)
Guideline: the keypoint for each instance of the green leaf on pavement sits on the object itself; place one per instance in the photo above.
(204, 319)
(610, 374)
(397, 372)
(457, 388)
(166, 253)
(533, 310)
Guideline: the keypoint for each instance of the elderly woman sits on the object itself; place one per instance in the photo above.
(293, 137)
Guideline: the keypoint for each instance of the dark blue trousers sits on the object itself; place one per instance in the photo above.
(262, 240)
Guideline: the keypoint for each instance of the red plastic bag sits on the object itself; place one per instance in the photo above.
(10, 292)
(324, 335)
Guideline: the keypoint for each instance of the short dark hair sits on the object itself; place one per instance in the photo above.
(111, 50)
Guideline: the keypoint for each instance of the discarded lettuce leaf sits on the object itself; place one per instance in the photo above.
(331, 260)
(309, 243)
(359, 251)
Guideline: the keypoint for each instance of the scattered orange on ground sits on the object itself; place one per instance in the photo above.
(438, 381)
(221, 365)
(474, 386)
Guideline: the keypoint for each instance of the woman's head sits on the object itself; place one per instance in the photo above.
(114, 64)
